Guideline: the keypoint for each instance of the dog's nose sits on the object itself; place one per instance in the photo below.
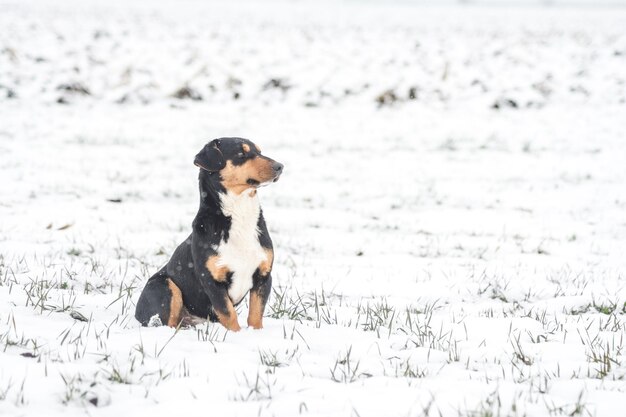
(277, 167)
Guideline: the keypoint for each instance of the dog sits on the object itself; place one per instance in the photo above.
(229, 252)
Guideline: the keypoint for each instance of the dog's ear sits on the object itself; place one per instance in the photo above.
(210, 158)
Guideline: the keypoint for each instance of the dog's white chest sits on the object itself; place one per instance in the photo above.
(242, 253)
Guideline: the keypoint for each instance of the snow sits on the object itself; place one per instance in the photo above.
(449, 230)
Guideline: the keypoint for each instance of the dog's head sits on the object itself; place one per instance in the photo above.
(237, 164)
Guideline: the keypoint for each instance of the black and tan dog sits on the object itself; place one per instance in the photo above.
(229, 251)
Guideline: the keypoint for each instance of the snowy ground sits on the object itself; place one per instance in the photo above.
(450, 230)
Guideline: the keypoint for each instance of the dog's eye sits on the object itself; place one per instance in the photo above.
(240, 155)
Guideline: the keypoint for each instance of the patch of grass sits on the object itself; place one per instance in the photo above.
(578, 408)
(284, 305)
(605, 308)
(73, 389)
(258, 388)
(579, 310)
(74, 252)
(604, 357)
(346, 369)
(377, 314)
(270, 359)
(115, 373)
(408, 370)
(518, 352)
(273, 360)
(4, 390)
(212, 332)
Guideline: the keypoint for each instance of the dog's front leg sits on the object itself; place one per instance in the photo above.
(213, 278)
(214, 282)
(223, 306)
(259, 294)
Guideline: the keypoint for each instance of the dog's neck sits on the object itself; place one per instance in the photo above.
(209, 195)
(216, 201)
(243, 210)
(239, 205)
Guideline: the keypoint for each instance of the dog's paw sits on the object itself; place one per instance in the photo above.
(155, 321)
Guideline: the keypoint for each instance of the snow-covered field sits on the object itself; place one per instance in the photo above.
(450, 230)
